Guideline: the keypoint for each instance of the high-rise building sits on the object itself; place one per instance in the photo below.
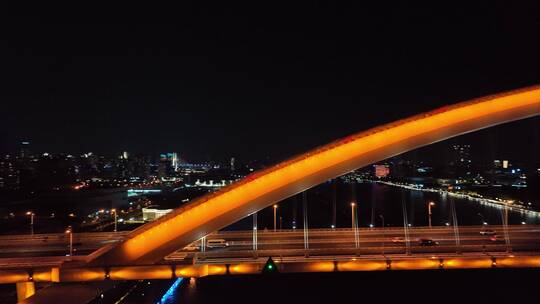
(9, 176)
(461, 160)
(141, 166)
(168, 164)
(381, 171)
(232, 164)
(24, 149)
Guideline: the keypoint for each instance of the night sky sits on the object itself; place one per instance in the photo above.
(214, 81)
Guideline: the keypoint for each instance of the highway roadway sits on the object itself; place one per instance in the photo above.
(52, 248)
(55, 244)
(372, 241)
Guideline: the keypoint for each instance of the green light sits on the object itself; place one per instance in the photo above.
(270, 267)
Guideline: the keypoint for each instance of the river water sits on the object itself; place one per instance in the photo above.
(375, 200)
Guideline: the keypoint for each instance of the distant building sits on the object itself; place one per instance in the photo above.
(9, 176)
(150, 214)
(168, 164)
(211, 183)
(121, 167)
(24, 149)
(381, 171)
(461, 160)
(140, 166)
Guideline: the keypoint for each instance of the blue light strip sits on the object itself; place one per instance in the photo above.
(168, 297)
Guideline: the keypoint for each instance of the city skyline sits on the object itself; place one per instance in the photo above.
(177, 154)
(495, 143)
(216, 83)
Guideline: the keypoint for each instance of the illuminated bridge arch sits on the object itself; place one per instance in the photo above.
(151, 242)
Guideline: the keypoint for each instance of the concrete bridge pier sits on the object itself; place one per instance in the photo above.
(25, 290)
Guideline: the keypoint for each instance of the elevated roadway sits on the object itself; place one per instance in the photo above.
(36, 251)
(373, 241)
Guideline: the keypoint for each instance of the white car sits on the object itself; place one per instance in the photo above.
(398, 239)
(487, 232)
(217, 243)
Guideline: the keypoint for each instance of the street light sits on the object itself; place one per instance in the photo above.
(69, 231)
(255, 233)
(115, 220)
(484, 223)
(352, 215)
(354, 225)
(431, 204)
(31, 214)
(275, 211)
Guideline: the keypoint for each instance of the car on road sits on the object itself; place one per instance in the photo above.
(192, 247)
(496, 238)
(398, 239)
(487, 232)
(217, 243)
(428, 242)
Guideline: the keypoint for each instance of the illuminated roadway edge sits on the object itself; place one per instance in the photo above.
(80, 274)
(150, 243)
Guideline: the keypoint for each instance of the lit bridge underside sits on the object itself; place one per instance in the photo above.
(426, 262)
(152, 242)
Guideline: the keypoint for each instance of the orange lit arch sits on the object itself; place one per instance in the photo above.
(151, 242)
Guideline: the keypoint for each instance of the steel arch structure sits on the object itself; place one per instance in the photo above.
(151, 242)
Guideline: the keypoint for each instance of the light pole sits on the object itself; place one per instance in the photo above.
(275, 211)
(306, 227)
(352, 215)
(505, 229)
(334, 204)
(254, 232)
(405, 223)
(115, 220)
(384, 234)
(203, 244)
(431, 204)
(484, 223)
(31, 214)
(69, 231)
(354, 224)
(455, 225)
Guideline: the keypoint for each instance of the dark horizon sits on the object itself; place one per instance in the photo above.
(250, 82)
